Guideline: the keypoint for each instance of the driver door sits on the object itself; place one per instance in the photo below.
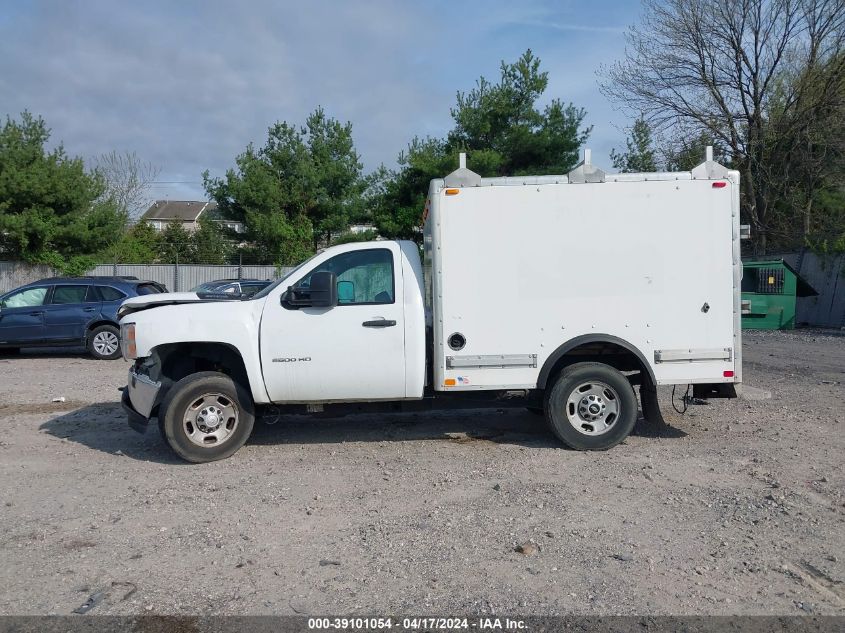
(352, 351)
(22, 315)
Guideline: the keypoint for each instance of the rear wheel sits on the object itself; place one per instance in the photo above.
(591, 406)
(104, 342)
(206, 416)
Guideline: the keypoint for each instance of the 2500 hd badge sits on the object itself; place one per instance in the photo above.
(304, 359)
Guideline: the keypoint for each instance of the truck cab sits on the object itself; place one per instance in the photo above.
(366, 343)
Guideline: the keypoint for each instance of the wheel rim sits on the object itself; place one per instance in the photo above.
(210, 420)
(106, 343)
(593, 408)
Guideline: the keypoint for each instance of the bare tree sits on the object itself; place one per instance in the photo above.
(719, 65)
(128, 180)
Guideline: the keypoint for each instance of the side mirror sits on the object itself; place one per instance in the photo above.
(323, 290)
(320, 293)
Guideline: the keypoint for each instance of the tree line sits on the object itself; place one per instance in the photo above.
(762, 81)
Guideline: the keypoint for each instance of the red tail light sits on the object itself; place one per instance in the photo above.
(719, 184)
(728, 373)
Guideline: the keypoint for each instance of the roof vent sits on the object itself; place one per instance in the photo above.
(585, 171)
(709, 169)
(462, 177)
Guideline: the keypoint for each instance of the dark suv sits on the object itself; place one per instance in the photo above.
(68, 311)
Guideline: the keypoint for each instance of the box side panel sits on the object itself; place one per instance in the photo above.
(520, 270)
(733, 178)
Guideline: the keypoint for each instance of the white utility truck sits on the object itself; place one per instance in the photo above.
(554, 293)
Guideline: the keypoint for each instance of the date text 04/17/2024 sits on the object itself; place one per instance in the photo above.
(416, 623)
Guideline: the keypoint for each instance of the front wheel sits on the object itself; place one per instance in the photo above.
(206, 416)
(591, 406)
(104, 342)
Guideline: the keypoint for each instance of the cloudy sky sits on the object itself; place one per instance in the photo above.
(186, 85)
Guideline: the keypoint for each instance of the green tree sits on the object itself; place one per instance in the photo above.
(51, 208)
(640, 154)
(175, 243)
(336, 177)
(502, 130)
(141, 244)
(500, 126)
(297, 191)
(210, 244)
(806, 146)
(397, 197)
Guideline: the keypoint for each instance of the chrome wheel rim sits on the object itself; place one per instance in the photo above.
(593, 408)
(210, 420)
(106, 343)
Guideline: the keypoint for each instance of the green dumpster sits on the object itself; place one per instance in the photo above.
(769, 291)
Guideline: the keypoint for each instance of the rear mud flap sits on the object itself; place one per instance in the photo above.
(650, 406)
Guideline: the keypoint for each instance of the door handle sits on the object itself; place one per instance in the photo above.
(36, 313)
(88, 309)
(379, 323)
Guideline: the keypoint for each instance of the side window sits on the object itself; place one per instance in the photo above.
(69, 294)
(27, 298)
(363, 277)
(110, 294)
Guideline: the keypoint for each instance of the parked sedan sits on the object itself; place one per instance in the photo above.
(233, 288)
(68, 311)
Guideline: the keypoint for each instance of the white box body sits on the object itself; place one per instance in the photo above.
(521, 266)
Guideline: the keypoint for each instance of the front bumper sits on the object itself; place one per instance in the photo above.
(136, 421)
(140, 398)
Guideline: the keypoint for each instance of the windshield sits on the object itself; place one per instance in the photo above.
(275, 284)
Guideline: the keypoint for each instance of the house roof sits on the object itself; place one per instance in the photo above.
(182, 210)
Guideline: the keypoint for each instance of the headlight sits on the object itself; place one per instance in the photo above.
(127, 341)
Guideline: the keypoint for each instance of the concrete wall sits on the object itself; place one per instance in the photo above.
(14, 274)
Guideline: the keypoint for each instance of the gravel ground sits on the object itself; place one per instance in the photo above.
(734, 508)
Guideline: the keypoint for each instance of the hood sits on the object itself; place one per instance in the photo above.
(144, 302)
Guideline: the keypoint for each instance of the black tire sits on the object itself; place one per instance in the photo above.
(100, 341)
(10, 351)
(615, 409)
(179, 412)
